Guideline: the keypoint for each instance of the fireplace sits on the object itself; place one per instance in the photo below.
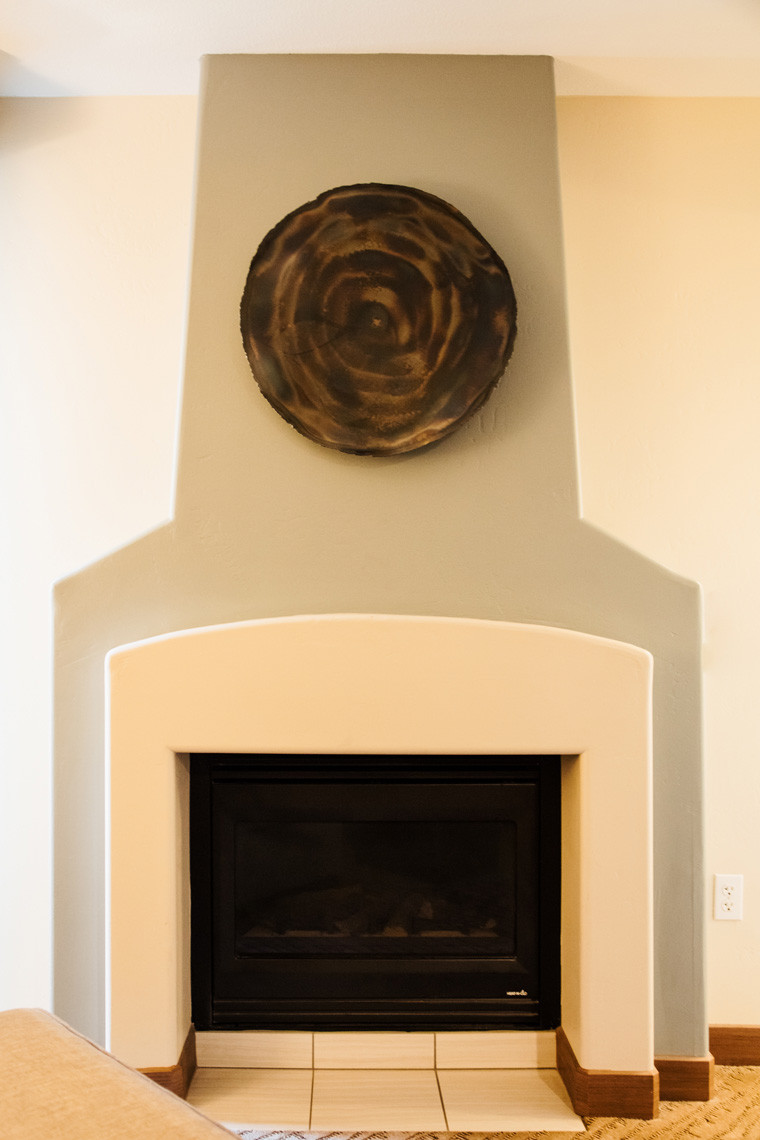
(386, 686)
(485, 527)
(375, 892)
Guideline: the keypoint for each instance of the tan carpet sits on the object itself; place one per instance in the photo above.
(733, 1114)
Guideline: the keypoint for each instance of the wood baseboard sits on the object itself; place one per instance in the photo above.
(685, 1078)
(596, 1092)
(177, 1078)
(735, 1044)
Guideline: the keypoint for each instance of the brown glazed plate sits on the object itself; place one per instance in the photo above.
(376, 319)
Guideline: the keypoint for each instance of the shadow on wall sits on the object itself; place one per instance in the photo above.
(16, 80)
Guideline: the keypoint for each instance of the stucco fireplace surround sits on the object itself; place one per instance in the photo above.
(484, 527)
(382, 684)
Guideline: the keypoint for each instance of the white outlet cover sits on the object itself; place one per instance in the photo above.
(728, 902)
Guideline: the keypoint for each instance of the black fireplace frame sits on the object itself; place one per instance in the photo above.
(538, 1009)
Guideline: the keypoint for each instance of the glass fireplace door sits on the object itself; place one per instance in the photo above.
(366, 891)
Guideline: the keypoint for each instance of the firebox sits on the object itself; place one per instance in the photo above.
(357, 891)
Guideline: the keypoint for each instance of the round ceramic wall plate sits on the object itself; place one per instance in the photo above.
(376, 319)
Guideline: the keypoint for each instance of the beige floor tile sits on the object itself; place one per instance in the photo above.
(383, 1100)
(373, 1050)
(497, 1049)
(507, 1100)
(254, 1049)
(257, 1097)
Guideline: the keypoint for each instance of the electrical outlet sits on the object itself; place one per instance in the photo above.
(728, 903)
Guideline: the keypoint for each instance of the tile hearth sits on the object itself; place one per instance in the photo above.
(464, 1082)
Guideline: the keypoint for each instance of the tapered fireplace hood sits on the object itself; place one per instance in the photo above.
(485, 524)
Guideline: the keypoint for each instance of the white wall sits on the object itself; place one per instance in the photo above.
(94, 223)
(663, 249)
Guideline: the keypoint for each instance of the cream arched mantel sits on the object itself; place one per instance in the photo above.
(375, 683)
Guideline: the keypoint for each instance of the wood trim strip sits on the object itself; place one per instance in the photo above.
(735, 1044)
(598, 1092)
(177, 1078)
(686, 1078)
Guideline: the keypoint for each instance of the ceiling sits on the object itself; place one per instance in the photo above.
(151, 47)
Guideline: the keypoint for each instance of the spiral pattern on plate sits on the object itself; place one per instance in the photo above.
(376, 319)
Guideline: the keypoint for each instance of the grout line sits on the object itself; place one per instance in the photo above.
(311, 1100)
(443, 1106)
(313, 1063)
(435, 1051)
(527, 1066)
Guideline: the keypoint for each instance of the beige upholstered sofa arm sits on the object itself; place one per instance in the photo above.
(56, 1083)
